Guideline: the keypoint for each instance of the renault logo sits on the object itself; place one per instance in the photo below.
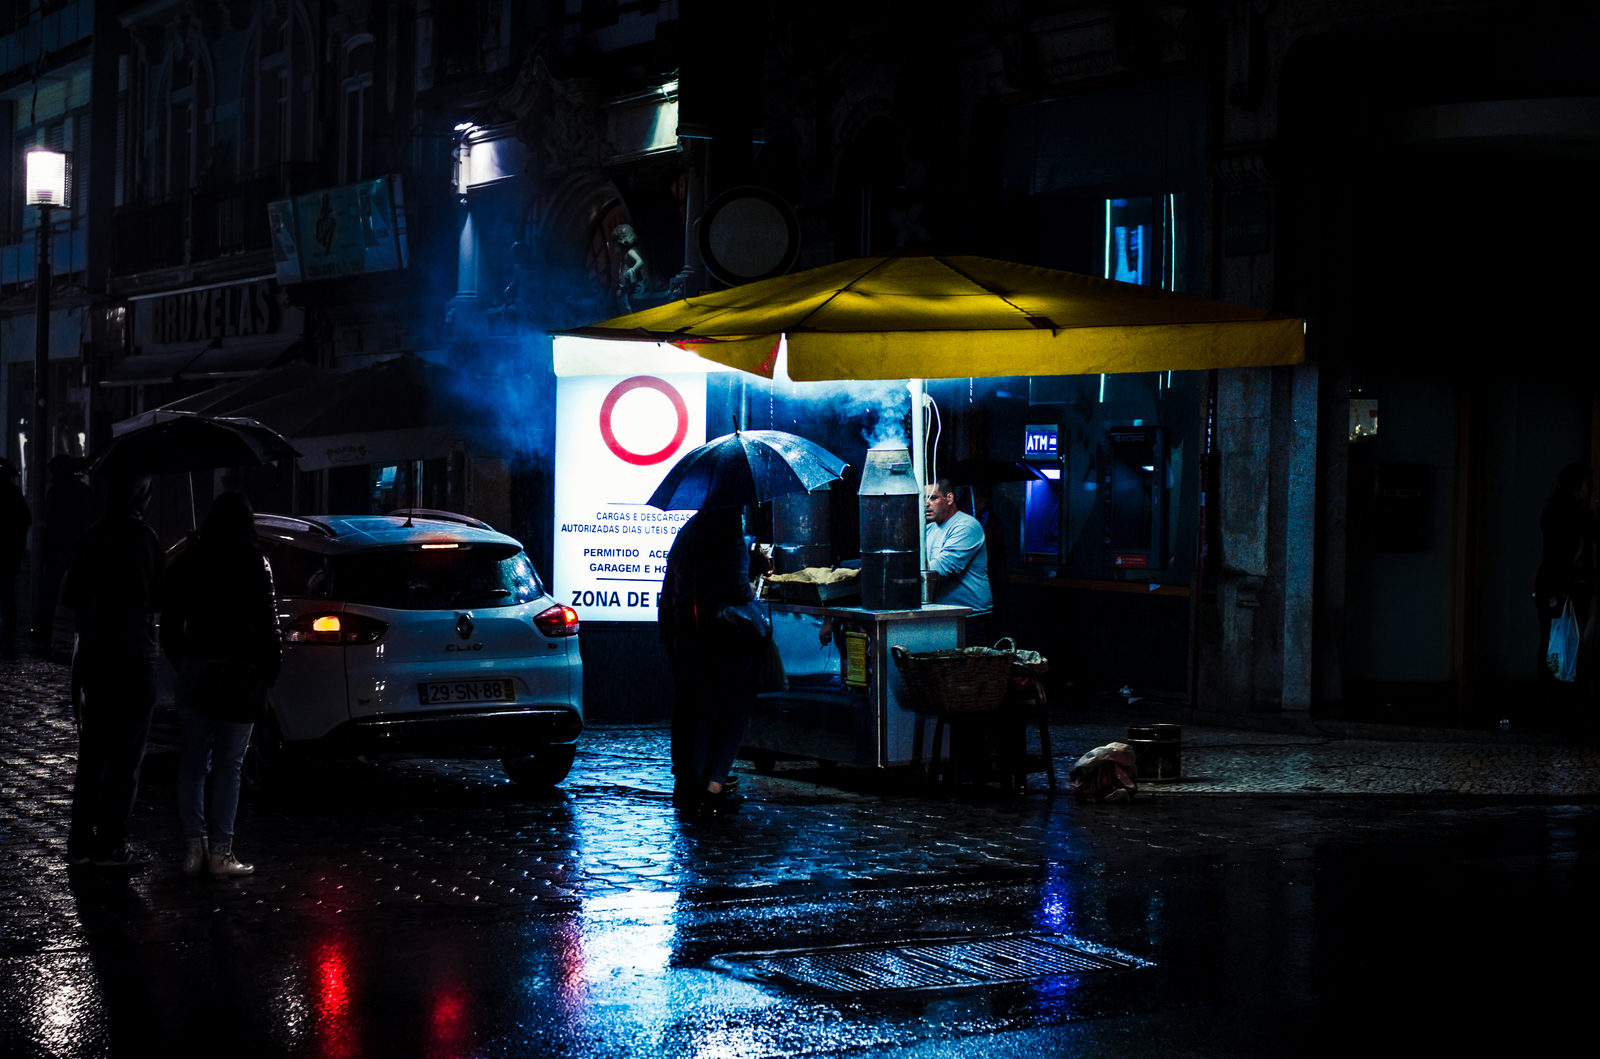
(463, 626)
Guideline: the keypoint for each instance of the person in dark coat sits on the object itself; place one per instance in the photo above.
(707, 570)
(68, 510)
(1568, 528)
(218, 605)
(112, 590)
(15, 518)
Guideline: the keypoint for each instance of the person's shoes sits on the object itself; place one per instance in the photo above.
(77, 860)
(195, 855)
(1117, 797)
(730, 785)
(224, 865)
(122, 858)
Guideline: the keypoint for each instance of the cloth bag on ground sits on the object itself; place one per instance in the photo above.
(1105, 774)
(1561, 655)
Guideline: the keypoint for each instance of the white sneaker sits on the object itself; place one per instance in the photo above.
(224, 865)
(195, 855)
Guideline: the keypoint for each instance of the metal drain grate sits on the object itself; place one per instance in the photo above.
(923, 964)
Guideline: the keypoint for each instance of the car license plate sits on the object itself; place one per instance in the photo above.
(494, 689)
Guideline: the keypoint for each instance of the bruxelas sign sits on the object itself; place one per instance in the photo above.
(616, 438)
(219, 312)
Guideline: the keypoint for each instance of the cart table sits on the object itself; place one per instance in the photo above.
(844, 700)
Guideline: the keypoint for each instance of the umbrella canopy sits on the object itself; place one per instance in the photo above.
(956, 317)
(746, 467)
(190, 442)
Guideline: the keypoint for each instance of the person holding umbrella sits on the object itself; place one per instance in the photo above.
(112, 590)
(707, 585)
(707, 571)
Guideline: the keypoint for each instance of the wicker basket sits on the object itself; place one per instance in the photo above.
(968, 680)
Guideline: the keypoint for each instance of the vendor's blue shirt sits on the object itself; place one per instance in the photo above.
(956, 552)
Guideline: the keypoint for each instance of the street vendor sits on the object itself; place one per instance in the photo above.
(958, 559)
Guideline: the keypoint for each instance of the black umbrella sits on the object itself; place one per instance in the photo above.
(746, 467)
(979, 471)
(188, 442)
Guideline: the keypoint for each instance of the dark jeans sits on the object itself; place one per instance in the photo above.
(979, 633)
(716, 692)
(118, 699)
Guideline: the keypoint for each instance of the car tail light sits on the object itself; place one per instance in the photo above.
(557, 621)
(335, 629)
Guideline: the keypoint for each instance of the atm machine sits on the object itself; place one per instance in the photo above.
(1133, 482)
(1043, 517)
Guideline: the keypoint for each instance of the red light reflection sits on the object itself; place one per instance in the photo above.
(337, 1036)
(449, 1023)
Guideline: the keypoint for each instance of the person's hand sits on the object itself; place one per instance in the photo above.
(825, 632)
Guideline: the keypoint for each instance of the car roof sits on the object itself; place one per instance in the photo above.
(340, 534)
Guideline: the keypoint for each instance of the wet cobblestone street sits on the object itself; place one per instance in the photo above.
(432, 861)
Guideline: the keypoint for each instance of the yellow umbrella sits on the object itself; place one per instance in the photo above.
(954, 317)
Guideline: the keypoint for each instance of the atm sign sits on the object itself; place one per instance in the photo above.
(1039, 441)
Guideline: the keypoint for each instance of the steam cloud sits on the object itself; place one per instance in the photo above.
(887, 400)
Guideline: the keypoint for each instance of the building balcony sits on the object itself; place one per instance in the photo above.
(203, 224)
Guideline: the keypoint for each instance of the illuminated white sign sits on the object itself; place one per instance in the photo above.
(617, 436)
(1039, 441)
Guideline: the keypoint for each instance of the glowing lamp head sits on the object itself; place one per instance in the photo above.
(49, 178)
(326, 623)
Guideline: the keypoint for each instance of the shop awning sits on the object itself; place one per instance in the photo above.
(206, 362)
(224, 362)
(149, 368)
(955, 317)
(228, 398)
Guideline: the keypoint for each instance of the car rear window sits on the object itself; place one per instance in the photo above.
(440, 579)
(476, 577)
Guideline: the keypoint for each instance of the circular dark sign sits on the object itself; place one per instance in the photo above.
(747, 234)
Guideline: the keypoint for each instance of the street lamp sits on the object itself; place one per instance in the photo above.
(48, 185)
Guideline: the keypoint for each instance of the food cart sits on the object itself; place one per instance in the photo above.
(845, 701)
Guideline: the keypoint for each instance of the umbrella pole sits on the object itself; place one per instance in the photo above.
(919, 465)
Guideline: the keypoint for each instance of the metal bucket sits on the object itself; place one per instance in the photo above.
(891, 519)
(1158, 748)
(889, 580)
(800, 529)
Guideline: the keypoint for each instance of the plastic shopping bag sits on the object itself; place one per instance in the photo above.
(1562, 653)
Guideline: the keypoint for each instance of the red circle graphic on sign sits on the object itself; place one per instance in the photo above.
(643, 459)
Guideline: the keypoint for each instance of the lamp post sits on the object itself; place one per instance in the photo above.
(49, 184)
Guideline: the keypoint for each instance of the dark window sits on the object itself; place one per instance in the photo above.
(478, 576)
(295, 571)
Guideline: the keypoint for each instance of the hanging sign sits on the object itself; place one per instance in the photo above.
(348, 230)
(617, 436)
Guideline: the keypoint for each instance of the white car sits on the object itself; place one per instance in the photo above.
(418, 634)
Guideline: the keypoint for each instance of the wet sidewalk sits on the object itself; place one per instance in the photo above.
(434, 907)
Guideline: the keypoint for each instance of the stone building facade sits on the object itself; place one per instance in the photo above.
(1409, 178)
